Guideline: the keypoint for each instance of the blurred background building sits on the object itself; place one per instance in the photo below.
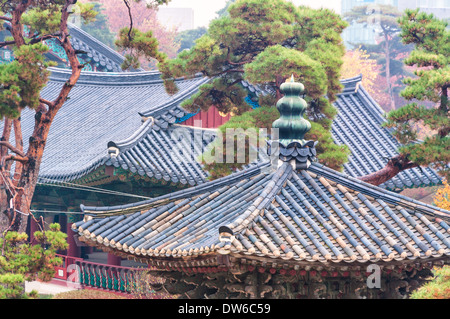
(180, 18)
(440, 8)
(366, 34)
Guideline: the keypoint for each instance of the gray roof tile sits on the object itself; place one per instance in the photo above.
(358, 125)
(99, 52)
(103, 107)
(317, 216)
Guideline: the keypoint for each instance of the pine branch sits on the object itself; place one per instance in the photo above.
(394, 166)
(21, 159)
(12, 148)
(127, 4)
(46, 102)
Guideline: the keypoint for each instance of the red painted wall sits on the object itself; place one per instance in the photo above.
(209, 119)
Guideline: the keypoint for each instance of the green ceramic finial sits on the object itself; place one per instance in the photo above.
(291, 124)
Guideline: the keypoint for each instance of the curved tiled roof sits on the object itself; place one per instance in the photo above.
(358, 124)
(102, 107)
(316, 216)
(120, 96)
(97, 51)
(91, 50)
(106, 107)
(169, 154)
(171, 112)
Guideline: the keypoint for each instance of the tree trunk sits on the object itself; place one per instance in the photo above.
(443, 107)
(278, 81)
(4, 200)
(394, 166)
(19, 190)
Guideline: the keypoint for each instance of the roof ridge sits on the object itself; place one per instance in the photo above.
(69, 177)
(352, 80)
(374, 109)
(192, 191)
(108, 78)
(146, 151)
(264, 199)
(351, 85)
(177, 98)
(132, 140)
(119, 58)
(117, 78)
(148, 125)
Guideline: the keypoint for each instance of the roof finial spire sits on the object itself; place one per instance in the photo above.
(292, 126)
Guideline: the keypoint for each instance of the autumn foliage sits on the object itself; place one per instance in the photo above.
(144, 19)
(442, 197)
(358, 62)
(438, 288)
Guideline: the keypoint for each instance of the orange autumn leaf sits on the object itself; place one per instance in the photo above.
(442, 197)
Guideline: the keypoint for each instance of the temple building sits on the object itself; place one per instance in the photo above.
(285, 228)
(94, 54)
(122, 109)
(112, 142)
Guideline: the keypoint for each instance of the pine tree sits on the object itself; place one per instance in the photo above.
(431, 57)
(264, 42)
(21, 261)
(21, 83)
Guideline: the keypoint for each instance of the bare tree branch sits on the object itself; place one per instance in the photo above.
(12, 148)
(6, 43)
(46, 102)
(21, 159)
(131, 18)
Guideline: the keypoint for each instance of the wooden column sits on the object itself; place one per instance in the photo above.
(114, 260)
(73, 250)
